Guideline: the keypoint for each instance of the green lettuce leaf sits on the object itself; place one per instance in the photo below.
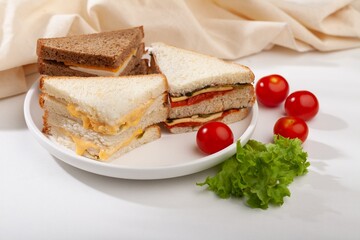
(260, 172)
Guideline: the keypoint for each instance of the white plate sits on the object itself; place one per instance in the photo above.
(172, 155)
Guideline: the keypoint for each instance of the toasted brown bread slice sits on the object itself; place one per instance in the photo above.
(54, 68)
(106, 49)
(141, 69)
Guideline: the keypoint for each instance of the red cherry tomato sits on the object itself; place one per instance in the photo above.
(291, 127)
(272, 90)
(213, 137)
(302, 104)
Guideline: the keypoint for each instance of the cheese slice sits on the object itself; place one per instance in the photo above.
(205, 90)
(134, 117)
(82, 145)
(194, 119)
(102, 71)
(129, 120)
(106, 153)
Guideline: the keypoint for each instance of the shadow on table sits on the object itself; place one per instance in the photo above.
(321, 151)
(328, 122)
(12, 113)
(165, 193)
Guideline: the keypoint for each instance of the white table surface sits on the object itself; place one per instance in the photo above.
(43, 198)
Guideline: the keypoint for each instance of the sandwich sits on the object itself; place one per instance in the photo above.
(114, 53)
(202, 88)
(103, 117)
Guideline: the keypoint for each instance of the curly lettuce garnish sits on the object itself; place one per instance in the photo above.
(260, 172)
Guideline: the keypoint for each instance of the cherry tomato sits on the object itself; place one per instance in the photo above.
(291, 127)
(302, 104)
(213, 137)
(272, 90)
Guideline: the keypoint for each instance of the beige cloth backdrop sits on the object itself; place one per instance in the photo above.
(228, 29)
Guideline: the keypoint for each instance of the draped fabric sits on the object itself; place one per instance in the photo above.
(228, 29)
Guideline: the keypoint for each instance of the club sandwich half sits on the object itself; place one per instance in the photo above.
(114, 53)
(103, 117)
(202, 88)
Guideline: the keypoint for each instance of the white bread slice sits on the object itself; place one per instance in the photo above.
(187, 71)
(58, 115)
(230, 118)
(239, 97)
(105, 99)
(150, 134)
(53, 118)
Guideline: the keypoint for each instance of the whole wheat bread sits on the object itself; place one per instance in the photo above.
(106, 49)
(136, 66)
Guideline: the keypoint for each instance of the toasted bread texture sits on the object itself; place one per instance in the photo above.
(54, 68)
(232, 117)
(105, 99)
(106, 49)
(141, 69)
(187, 71)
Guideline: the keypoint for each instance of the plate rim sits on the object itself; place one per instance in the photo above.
(127, 172)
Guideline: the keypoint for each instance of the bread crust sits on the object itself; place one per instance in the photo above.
(46, 126)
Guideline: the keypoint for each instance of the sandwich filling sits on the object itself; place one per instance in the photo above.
(129, 120)
(201, 95)
(83, 146)
(198, 120)
(103, 71)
